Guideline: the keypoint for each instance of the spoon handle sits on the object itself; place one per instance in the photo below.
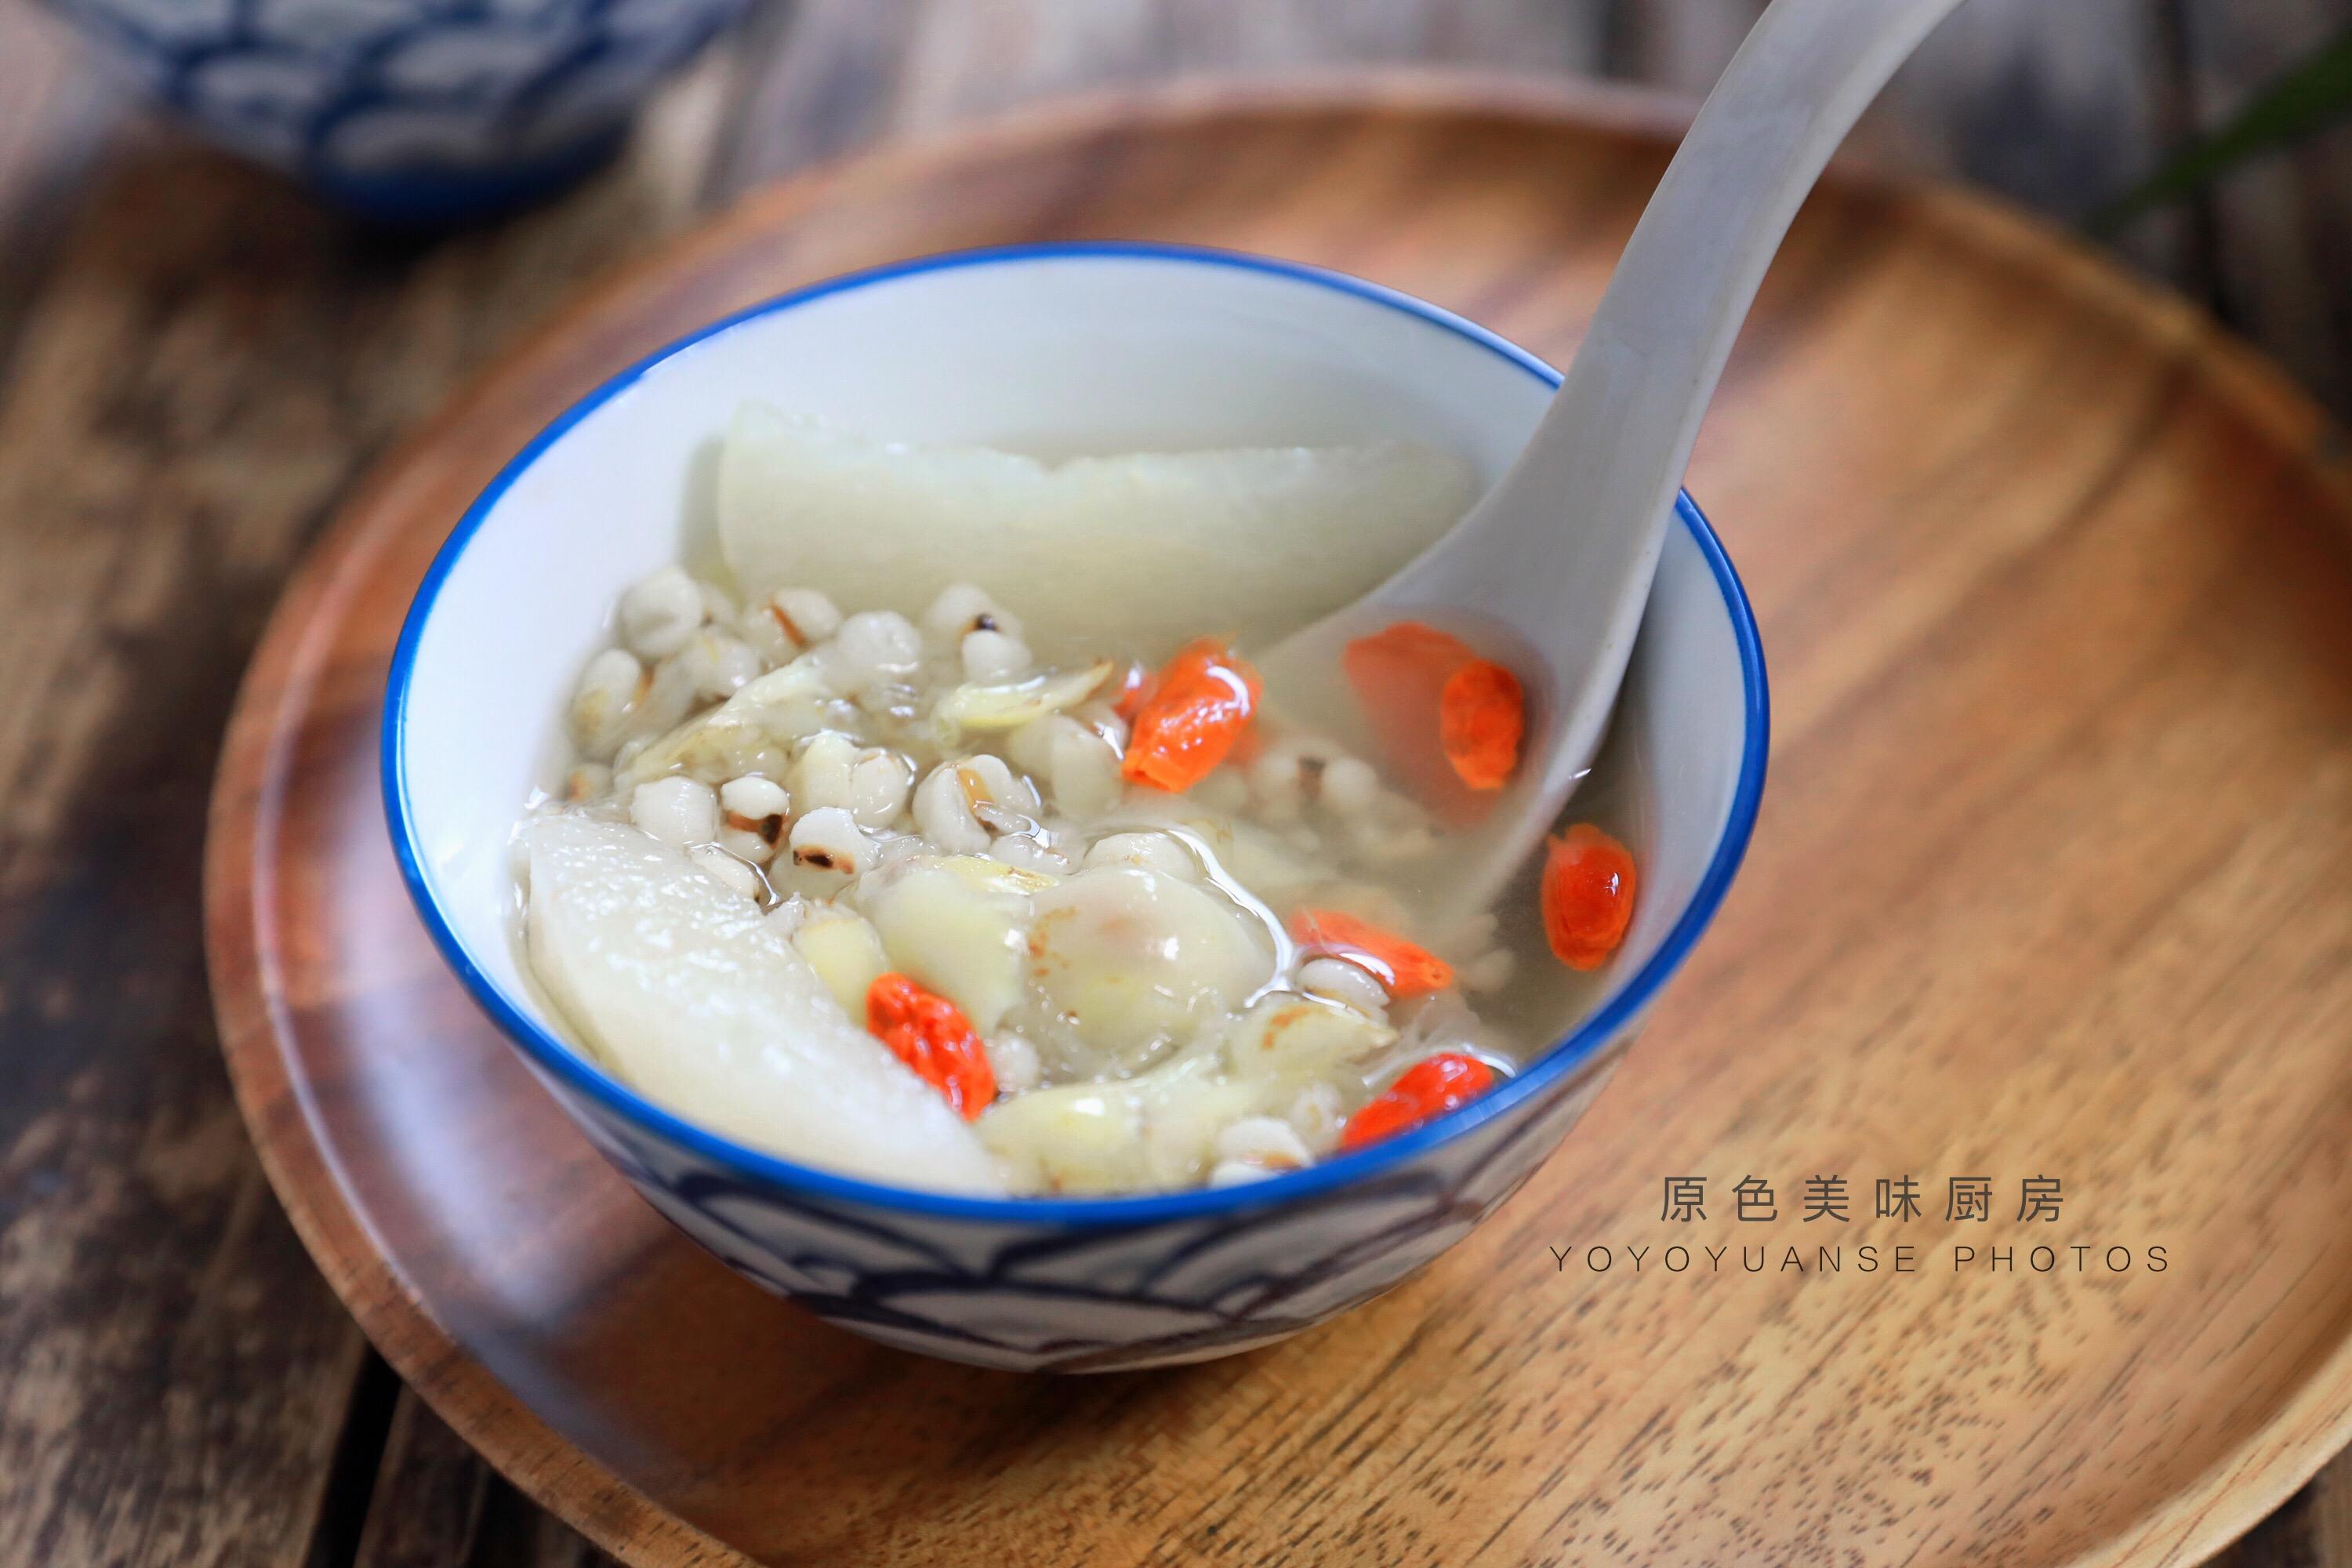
(1607, 456)
(1556, 558)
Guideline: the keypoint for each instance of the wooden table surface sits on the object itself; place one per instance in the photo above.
(196, 364)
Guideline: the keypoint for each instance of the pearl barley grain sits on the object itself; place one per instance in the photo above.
(676, 810)
(660, 613)
(719, 666)
(992, 656)
(1337, 980)
(944, 813)
(872, 649)
(823, 775)
(810, 616)
(1026, 854)
(1351, 787)
(754, 798)
(752, 815)
(1266, 1142)
(746, 843)
(1274, 785)
(725, 868)
(602, 706)
(990, 782)
(878, 782)
(585, 781)
(829, 839)
(1083, 769)
(962, 608)
(789, 622)
(1490, 971)
(788, 916)
(1317, 1115)
(1146, 851)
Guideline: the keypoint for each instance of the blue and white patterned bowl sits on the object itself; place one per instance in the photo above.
(1078, 346)
(411, 111)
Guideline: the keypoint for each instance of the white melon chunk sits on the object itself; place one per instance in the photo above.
(686, 991)
(846, 953)
(1134, 958)
(1294, 1038)
(1140, 552)
(1154, 1131)
(956, 924)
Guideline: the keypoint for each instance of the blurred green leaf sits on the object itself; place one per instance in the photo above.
(2310, 96)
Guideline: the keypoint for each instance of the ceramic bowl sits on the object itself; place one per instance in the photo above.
(1071, 347)
(409, 111)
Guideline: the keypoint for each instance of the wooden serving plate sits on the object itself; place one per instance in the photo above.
(2054, 878)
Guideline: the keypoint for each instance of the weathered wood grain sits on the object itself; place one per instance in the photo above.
(1678, 45)
(426, 1499)
(197, 361)
(433, 1503)
(2060, 107)
(2282, 223)
(172, 1367)
(971, 60)
(2054, 878)
(54, 112)
(154, 507)
(846, 72)
(2054, 106)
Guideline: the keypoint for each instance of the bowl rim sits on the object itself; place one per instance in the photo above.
(551, 1054)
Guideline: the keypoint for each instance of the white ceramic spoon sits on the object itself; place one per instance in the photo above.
(1549, 572)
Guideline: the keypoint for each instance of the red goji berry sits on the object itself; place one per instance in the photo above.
(1195, 710)
(1406, 968)
(1587, 896)
(1428, 1089)
(930, 1035)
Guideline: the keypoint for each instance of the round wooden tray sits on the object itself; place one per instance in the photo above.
(2054, 879)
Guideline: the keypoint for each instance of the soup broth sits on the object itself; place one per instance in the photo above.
(960, 900)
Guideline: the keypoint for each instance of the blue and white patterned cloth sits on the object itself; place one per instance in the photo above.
(421, 110)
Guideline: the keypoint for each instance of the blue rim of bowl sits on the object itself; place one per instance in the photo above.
(1621, 1007)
